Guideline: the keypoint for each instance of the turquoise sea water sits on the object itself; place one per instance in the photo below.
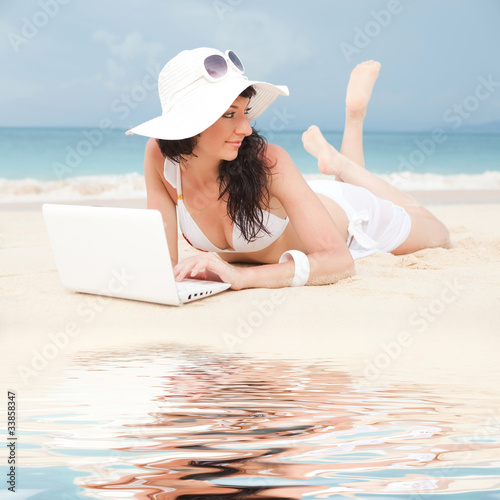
(53, 154)
(42, 164)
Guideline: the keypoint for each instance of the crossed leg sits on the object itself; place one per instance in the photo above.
(427, 231)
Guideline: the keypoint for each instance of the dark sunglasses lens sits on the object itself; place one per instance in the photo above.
(236, 60)
(216, 66)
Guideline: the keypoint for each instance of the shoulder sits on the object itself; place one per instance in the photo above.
(153, 158)
(153, 152)
(278, 157)
(284, 172)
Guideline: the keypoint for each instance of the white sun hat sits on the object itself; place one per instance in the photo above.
(196, 87)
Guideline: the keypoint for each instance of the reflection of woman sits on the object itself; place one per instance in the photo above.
(232, 428)
(242, 200)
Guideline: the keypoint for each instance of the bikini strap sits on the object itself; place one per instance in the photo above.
(179, 183)
(172, 173)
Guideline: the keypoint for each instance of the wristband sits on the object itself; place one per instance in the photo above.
(302, 266)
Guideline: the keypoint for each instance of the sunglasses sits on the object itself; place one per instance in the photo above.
(216, 66)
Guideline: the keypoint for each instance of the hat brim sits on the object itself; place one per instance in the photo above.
(201, 108)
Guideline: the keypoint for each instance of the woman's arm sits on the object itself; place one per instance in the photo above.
(158, 197)
(327, 252)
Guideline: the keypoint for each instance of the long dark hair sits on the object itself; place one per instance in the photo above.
(244, 180)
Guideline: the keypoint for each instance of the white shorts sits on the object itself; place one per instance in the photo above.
(375, 225)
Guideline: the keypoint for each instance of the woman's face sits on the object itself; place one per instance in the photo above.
(222, 140)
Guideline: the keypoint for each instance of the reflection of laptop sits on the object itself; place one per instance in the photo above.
(118, 252)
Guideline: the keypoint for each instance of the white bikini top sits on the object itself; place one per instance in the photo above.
(195, 236)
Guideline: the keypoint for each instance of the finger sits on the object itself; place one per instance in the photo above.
(197, 269)
(191, 268)
(205, 269)
(184, 266)
(180, 276)
(179, 268)
(182, 272)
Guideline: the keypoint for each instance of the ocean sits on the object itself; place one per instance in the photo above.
(49, 164)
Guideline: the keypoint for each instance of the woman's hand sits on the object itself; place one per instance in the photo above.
(209, 266)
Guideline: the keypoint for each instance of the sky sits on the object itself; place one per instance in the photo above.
(74, 63)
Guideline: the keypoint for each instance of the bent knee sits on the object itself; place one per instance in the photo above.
(426, 232)
(438, 236)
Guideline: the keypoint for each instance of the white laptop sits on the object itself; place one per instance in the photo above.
(118, 252)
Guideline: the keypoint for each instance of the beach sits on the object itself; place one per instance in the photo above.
(436, 308)
(387, 381)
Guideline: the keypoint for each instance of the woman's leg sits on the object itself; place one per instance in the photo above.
(427, 231)
(359, 91)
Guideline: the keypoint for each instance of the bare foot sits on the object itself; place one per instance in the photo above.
(330, 161)
(359, 88)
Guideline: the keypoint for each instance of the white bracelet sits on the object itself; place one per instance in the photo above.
(302, 266)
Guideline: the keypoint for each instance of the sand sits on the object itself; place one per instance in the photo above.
(421, 316)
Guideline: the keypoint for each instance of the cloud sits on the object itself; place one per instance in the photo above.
(133, 48)
(116, 73)
(6, 30)
(104, 36)
(260, 31)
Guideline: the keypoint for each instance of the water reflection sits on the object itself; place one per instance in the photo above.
(170, 423)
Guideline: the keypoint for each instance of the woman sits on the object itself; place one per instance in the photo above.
(242, 200)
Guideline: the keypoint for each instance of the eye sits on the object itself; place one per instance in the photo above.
(248, 110)
(228, 115)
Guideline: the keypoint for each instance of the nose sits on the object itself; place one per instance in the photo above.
(243, 126)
